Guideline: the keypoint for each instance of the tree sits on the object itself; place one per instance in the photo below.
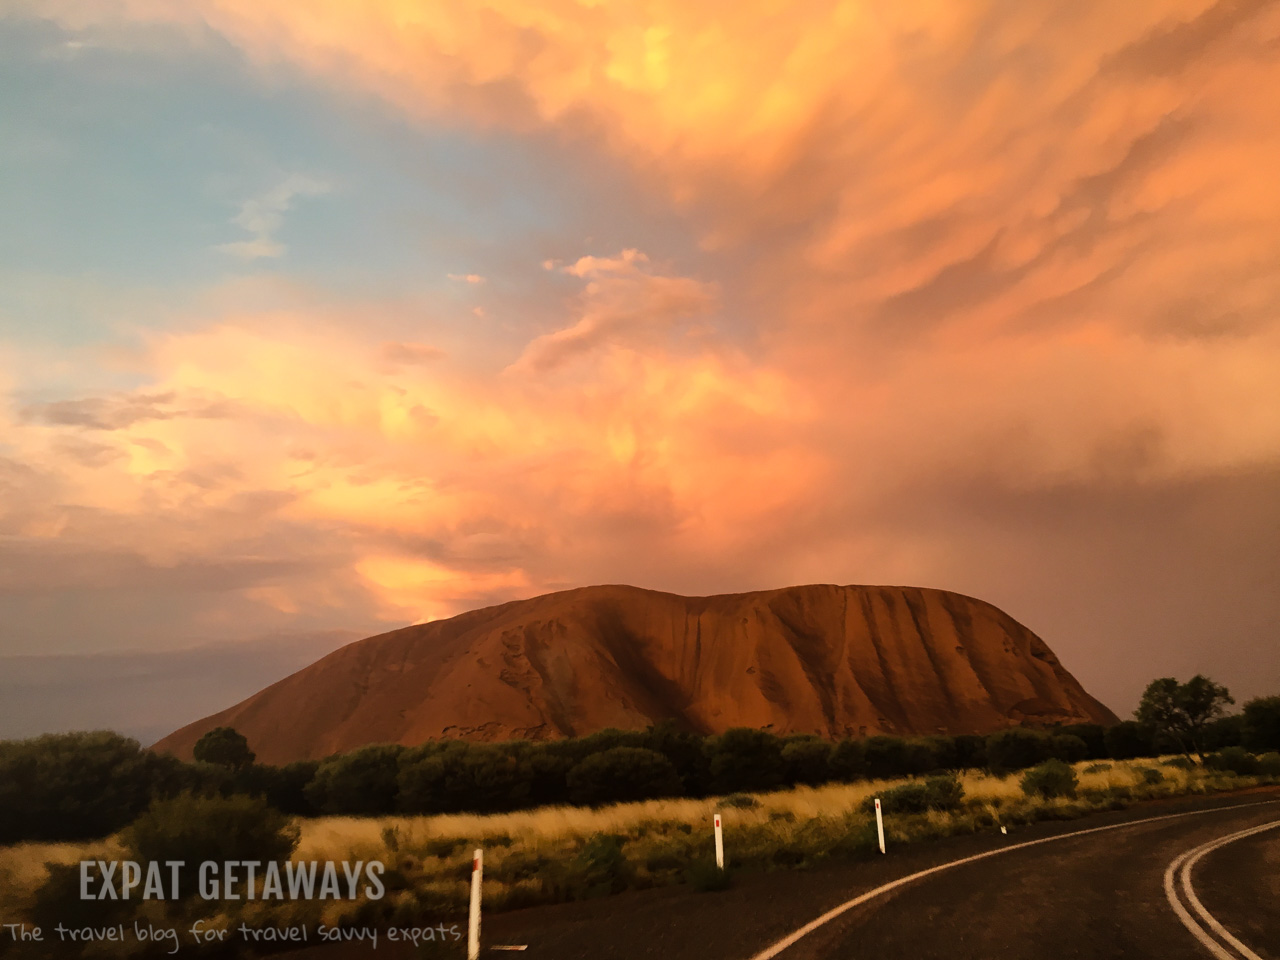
(359, 783)
(807, 760)
(1181, 711)
(224, 747)
(1262, 723)
(75, 786)
(743, 759)
(1129, 739)
(1017, 748)
(621, 775)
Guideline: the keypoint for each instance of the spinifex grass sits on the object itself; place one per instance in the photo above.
(559, 853)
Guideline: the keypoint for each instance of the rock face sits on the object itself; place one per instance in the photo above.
(823, 659)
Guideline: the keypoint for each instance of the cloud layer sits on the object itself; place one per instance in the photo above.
(966, 270)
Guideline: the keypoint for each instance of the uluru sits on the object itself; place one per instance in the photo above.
(832, 660)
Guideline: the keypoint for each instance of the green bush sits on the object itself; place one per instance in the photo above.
(1150, 775)
(1094, 736)
(745, 759)
(1053, 778)
(742, 801)
(1017, 749)
(1235, 760)
(622, 775)
(76, 786)
(1097, 768)
(601, 868)
(362, 782)
(848, 761)
(1269, 764)
(807, 760)
(195, 828)
(1181, 763)
(935, 793)
(1129, 739)
(1068, 748)
(1262, 723)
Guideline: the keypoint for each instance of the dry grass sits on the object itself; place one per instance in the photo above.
(556, 853)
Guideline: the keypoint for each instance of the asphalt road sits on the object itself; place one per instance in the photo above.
(1098, 895)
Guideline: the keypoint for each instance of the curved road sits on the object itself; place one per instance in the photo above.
(1091, 889)
(1097, 895)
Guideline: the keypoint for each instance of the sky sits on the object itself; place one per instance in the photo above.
(341, 316)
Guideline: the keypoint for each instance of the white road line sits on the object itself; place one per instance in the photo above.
(1182, 866)
(772, 951)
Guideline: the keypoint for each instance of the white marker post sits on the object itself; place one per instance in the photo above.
(880, 824)
(473, 925)
(719, 844)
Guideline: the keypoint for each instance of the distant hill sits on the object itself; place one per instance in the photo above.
(832, 660)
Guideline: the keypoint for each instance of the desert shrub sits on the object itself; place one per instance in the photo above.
(944, 752)
(609, 738)
(362, 782)
(685, 751)
(1235, 760)
(458, 776)
(1097, 768)
(848, 761)
(1068, 748)
(77, 786)
(1150, 775)
(745, 759)
(1053, 778)
(195, 828)
(1129, 739)
(1269, 764)
(600, 867)
(1181, 763)
(1262, 723)
(742, 801)
(807, 760)
(1223, 732)
(935, 793)
(623, 774)
(1017, 749)
(283, 787)
(1094, 736)
(971, 751)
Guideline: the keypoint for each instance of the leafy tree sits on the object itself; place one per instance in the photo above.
(362, 782)
(685, 749)
(1017, 748)
(1067, 747)
(1094, 736)
(75, 786)
(623, 774)
(224, 747)
(848, 761)
(1129, 739)
(744, 759)
(1262, 723)
(884, 757)
(971, 751)
(1224, 732)
(1181, 711)
(807, 760)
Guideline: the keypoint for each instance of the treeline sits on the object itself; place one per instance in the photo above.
(85, 785)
